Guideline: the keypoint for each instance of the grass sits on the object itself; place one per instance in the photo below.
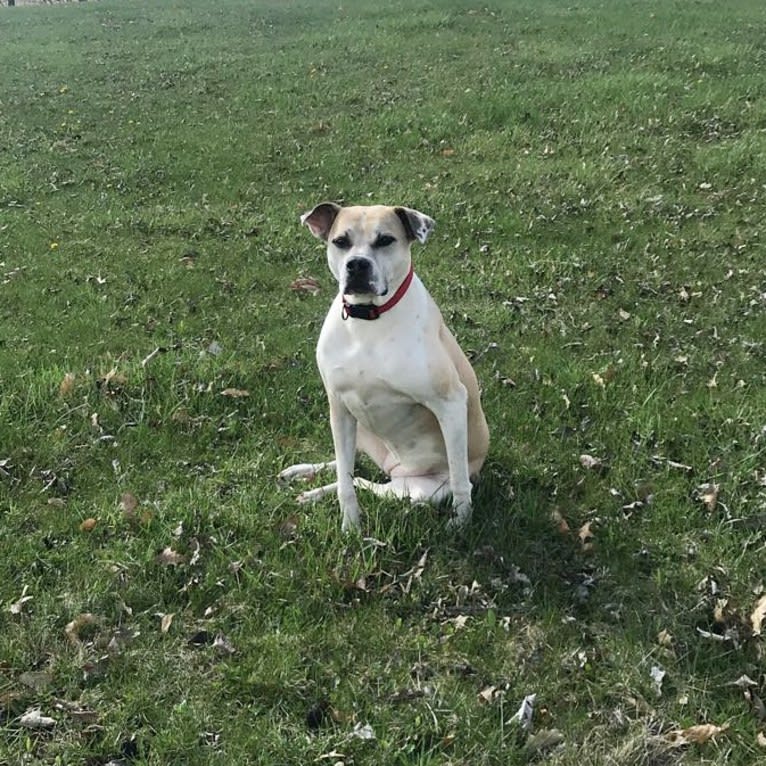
(597, 175)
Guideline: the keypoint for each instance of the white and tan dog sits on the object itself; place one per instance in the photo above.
(399, 386)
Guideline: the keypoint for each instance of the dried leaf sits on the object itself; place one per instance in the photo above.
(697, 735)
(523, 716)
(67, 384)
(589, 462)
(305, 285)
(743, 682)
(758, 616)
(761, 739)
(363, 731)
(235, 393)
(223, 646)
(586, 536)
(34, 719)
(88, 525)
(169, 558)
(658, 676)
(664, 638)
(84, 620)
(545, 739)
(17, 606)
(166, 621)
(288, 528)
(708, 494)
(488, 693)
(38, 680)
(128, 505)
(561, 523)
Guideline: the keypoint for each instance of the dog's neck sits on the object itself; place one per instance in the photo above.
(370, 311)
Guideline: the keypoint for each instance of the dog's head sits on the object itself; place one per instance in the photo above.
(368, 248)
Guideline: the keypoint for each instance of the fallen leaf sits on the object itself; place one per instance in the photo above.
(758, 616)
(743, 682)
(67, 384)
(17, 606)
(34, 719)
(697, 735)
(166, 621)
(488, 693)
(658, 676)
(128, 505)
(235, 393)
(169, 558)
(761, 739)
(363, 731)
(305, 285)
(664, 638)
(288, 528)
(589, 462)
(561, 523)
(523, 716)
(544, 740)
(73, 628)
(88, 524)
(708, 494)
(586, 536)
(38, 680)
(623, 315)
(223, 646)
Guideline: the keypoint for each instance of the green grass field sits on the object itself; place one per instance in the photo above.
(597, 171)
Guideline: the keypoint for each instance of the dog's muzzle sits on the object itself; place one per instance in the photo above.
(358, 277)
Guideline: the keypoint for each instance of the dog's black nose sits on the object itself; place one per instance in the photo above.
(358, 267)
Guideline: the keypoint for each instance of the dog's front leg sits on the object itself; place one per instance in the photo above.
(452, 414)
(343, 425)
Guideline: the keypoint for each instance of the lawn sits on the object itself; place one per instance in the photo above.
(597, 172)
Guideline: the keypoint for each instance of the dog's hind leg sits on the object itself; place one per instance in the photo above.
(416, 489)
(304, 471)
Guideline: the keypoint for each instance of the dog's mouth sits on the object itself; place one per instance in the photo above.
(363, 287)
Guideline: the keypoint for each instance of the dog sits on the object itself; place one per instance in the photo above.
(399, 387)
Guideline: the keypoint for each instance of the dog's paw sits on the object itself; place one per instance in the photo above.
(461, 515)
(299, 471)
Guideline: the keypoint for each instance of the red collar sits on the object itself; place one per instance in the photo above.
(370, 310)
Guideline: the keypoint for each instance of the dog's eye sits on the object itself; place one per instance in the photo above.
(384, 240)
(343, 242)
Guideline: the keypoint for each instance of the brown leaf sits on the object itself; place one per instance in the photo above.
(84, 620)
(664, 638)
(562, 526)
(128, 505)
(88, 525)
(708, 494)
(169, 558)
(235, 393)
(34, 719)
(447, 151)
(586, 536)
(305, 285)
(488, 693)
(697, 735)
(67, 384)
(166, 621)
(17, 606)
(591, 463)
(288, 528)
(758, 616)
(761, 739)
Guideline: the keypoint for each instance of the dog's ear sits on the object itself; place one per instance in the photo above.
(321, 218)
(417, 225)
